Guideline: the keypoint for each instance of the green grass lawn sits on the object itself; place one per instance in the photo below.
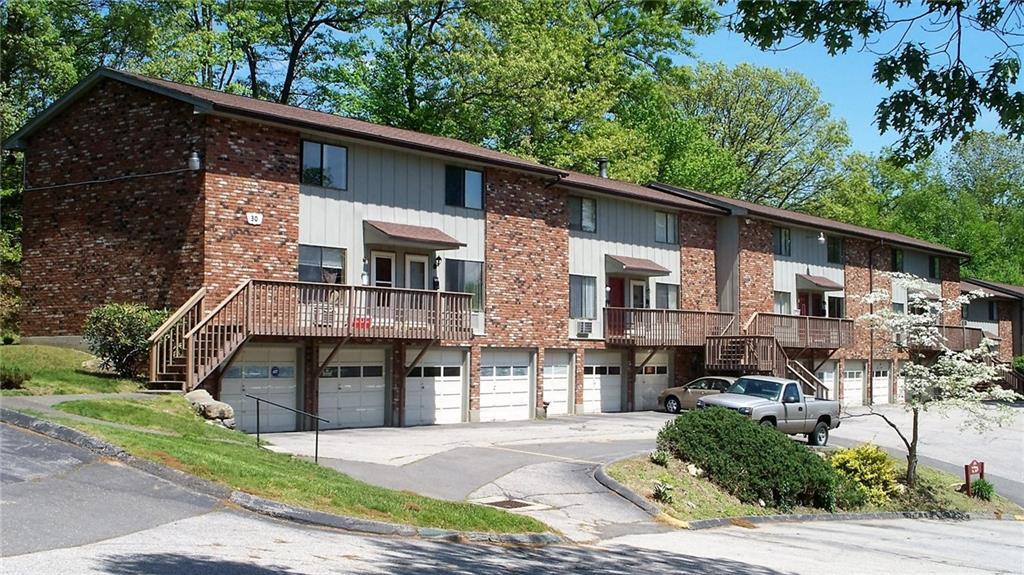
(698, 498)
(58, 371)
(187, 443)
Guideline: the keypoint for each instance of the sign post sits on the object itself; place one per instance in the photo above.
(975, 467)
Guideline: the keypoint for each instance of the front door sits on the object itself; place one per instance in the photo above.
(382, 269)
(638, 294)
(616, 292)
(416, 271)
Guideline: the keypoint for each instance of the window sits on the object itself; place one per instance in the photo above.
(897, 260)
(324, 165)
(835, 250)
(836, 307)
(992, 314)
(463, 187)
(321, 265)
(666, 228)
(666, 296)
(782, 241)
(582, 297)
(467, 277)
(582, 214)
(933, 267)
(899, 308)
(783, 303)
(791, 395)
(853, 374)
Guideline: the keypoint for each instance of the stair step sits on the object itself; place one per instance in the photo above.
(164, 385)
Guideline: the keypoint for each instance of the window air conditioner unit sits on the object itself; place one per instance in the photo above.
(584, 328)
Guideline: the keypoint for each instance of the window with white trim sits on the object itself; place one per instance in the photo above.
(582, 297)
(324, 165)
(666, 296)
(666, 228)
(582, 214)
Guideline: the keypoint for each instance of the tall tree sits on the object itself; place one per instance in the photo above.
(775, 125)
(938, 86)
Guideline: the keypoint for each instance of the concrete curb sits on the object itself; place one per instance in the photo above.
(264, 506)
(601, 475)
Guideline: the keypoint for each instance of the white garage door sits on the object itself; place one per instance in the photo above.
(651, 380)
(880, 383)
(602, 382)
(434, 389)
(853, 383)
(827, 375)
(353, 392)
(557, 382)
(267, 373)
(504, 385)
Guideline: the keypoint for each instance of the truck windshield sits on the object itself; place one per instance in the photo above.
(757, 388)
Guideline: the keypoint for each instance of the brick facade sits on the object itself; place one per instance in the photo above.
(697, 239)
(949, 274)
(135, 240)
(1006, 312)
(756, 269)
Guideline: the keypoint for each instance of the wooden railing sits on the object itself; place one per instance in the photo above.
(167, 344)
(803, 331)
(743, 354)
(812, 385)
(1013, 380)
(300, 309)
(959, 337)
(657, 327)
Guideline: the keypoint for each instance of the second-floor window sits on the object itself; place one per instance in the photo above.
(835, 250)
(992, 313)
(467, 277)
(324, 165)
(463, 187)
(321, 265)
(666, 229)
(899, 308)
(783, 303)
(782, 241)
(582, 214)
(897, 260)
(666, 296)
(836, 307)
(933, 267)
(582, 297)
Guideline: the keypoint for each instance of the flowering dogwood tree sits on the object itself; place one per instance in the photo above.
(937, 378)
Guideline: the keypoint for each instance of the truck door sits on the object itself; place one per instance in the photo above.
(793, 409)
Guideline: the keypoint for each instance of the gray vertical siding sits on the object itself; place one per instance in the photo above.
(807, 257)
(726, 261)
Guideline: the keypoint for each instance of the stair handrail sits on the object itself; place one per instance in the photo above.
(728, 326)
(746, 326)
(190, 370)
(175, 328)
(805, 375)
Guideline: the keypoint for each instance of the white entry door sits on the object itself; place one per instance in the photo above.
(638, 294)
(651, 380)
(434, 389)
(382, 269)
(880, 383)
(558, 377)
(353, 391)
(602, 382)
(505, 385)
(416, 271)
(853, 383)
(267, 373)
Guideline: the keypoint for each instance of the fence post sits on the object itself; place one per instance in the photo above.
(316, 444)
(257, 421)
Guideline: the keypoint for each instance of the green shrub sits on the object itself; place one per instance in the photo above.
(12, 378)
(659, 457)
(982, 489)
(663, 492)
(750, 461)
(1018, 363)
(117, 334)
(871, 468)
(850, 495)
(9, 338)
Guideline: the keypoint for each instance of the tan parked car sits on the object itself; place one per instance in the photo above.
(675, 399)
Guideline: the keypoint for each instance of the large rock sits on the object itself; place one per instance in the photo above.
(198, 396)
(216, 410)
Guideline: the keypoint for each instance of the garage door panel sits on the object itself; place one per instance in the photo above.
(504, 385)
(853, 383)
(353, 389)
(651, 380)
(434, 389)
(557, 382)
(880, 383)
(602, 388)
(267, 373)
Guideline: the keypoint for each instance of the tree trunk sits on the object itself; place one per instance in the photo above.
(912, 454)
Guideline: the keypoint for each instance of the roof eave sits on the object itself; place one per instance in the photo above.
(710, 210)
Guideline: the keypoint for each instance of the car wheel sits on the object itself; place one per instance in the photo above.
(820, 434)
(766, 422)
(672, 404)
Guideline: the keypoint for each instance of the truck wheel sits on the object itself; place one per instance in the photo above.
(820, 434)
(766, 422)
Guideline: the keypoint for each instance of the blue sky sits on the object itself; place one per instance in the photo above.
(844, 80)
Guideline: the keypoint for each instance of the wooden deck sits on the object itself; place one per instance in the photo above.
(804, 332)
(663, 327)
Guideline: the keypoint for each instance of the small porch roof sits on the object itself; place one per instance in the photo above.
(409, 235)
(634, 266)
(818, 283)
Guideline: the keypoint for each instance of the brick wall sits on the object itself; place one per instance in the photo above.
(756, 269)
(697, 235)
(1006, 312)
(949, 272)
(133, 240)
(858, 284)
(250, 168)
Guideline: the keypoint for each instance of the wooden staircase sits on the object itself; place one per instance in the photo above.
(167, 348)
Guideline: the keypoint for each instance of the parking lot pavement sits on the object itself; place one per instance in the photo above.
(945, 444)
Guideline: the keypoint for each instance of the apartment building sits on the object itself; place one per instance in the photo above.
(382, 277)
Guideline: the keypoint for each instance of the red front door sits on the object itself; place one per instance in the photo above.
(617, 293)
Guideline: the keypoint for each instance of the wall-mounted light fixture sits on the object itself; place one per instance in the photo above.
(364, 277)
(437, 262)
(436, 282)
(193, 161)
(821, 238)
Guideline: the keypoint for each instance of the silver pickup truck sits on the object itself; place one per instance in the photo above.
(779, 403)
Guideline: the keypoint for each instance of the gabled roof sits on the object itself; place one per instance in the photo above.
(583, 181)
(993, 289)
(743, 207)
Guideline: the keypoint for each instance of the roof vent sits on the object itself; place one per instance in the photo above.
(602, 167)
